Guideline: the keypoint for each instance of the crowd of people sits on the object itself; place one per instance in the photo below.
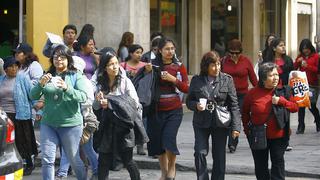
(96, 105)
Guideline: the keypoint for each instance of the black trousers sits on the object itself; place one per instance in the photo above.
(201, 148)
(302, 111)
(234, 141)
(314, 110)
(276, 148)
(105, 163)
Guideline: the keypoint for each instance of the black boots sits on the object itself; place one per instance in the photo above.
(300, 129)
(318, 126)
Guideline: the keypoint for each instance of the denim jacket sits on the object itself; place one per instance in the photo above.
(21, 96)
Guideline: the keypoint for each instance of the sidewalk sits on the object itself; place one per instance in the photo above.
(302, 161)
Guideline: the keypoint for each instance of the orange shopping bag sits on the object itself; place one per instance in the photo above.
(299, 83)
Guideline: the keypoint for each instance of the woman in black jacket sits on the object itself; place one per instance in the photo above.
(116, 130)
(217, 88)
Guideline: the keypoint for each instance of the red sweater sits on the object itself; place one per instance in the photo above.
(257, 106)
(171, 103)
(311, 69)
(240, 72)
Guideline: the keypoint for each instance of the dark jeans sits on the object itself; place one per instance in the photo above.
(234, 141)
(105, 163)
(277, 148)
(201, 148)
(314, 110)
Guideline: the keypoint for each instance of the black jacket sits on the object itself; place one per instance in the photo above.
(281, 113)
(287, 68)
(222, 90)
(121, 125)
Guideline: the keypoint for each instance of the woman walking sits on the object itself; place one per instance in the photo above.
(218, 88)
(115, 138)
(63, 90)
(269, 103)
(168, 116)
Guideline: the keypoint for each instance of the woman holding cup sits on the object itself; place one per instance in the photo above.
(63, 89)
(209, 88)
(114, 140)
(163, 127)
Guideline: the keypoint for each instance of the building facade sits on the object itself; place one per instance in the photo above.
(197, 26)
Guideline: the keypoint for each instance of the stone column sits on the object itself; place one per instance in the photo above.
(251, 29)
(44, 16)
(112, 18)
(292, 28)
(199, 32)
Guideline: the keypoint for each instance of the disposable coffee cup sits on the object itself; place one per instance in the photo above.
(163, 73)
(55, 80)
(203, 101)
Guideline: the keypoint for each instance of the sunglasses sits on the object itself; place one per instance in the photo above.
(235, 53)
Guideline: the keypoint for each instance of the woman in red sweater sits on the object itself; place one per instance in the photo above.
(258, 103)
(169, 108)
(308, 61)
(240, 68)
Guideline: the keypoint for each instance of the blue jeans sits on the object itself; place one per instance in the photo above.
(69, 138)
(89, 153)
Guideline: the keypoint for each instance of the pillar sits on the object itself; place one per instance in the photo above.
(44, 16)
(199, 32)
(251, 29)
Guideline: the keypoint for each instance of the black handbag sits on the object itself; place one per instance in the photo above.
(223, 116)
(221, 113)
(257, 135)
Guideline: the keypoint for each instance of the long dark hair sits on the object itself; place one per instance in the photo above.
(65, 51)
(126, 40)
(163, 41)
(270, 56)
(103, 77)
(266, 45)
(132, 48)
(306, 44)
(30, 57)
(86, 34)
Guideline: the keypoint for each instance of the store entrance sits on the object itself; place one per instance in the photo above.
(225, 23)
(9, 26)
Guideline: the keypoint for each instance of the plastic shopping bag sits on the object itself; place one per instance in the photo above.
(299, 83)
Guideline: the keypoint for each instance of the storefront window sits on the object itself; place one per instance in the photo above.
(225, 23)
(272, 19)
(165, 17)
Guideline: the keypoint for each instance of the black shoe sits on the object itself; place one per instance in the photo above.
(232, 149)
(167, 178)
(70, 171)
(28, 170)
(318, 128)
(300, 130)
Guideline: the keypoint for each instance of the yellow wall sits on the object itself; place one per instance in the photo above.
(45, 16)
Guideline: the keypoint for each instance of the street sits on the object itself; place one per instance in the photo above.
(301, 163)
(155, 174)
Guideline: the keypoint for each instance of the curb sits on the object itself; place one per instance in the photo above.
(243, 170)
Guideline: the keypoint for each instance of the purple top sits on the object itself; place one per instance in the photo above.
(90, 64)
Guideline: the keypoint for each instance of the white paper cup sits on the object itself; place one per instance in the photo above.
(203, 101)
(55, 80)
(163, 73)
